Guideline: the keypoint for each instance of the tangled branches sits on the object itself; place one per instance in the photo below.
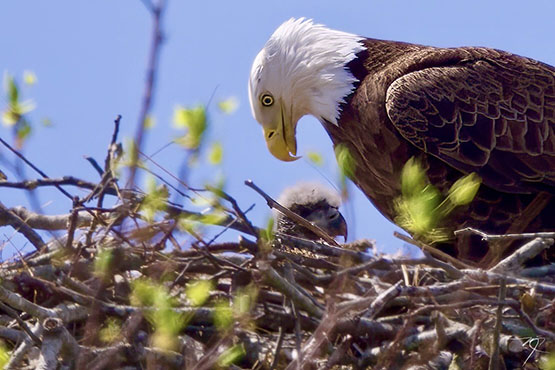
(122, 290)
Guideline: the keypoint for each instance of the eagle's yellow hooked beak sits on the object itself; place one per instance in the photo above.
(280, 137)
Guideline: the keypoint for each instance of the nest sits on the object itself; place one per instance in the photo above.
(138, 286)
(107, 297)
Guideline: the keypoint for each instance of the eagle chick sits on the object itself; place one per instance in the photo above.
(316, 204)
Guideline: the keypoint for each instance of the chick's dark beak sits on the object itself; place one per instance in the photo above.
(339, 225)
(331, 221)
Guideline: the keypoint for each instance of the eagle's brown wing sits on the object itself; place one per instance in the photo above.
(495, 117)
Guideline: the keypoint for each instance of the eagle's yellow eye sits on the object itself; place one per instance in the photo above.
(267, 100)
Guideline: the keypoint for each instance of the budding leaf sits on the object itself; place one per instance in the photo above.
(29, 78)
(223, 316)
(194, 121)
(231, 355)
(150, 122)
(198, 292)
(229, 105)
(413, 178)
(315, 158)
(155, 199)
(463, 191)
(345, 160)
(216, 153)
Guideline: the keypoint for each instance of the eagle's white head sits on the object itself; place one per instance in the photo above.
(301, 70)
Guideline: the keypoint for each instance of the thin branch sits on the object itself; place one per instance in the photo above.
(431, 250)
(157, 11)
(7, 217)
(22, 157)
(290, 290)
(494, 358)
(66, 180)
(521, 255)
(20, 322)
(485, 236)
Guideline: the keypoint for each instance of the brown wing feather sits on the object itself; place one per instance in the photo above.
(495, 117)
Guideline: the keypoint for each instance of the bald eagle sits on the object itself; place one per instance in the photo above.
(459, 110)
(316, 204)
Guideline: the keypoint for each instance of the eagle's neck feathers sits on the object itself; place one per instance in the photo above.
(312, 62)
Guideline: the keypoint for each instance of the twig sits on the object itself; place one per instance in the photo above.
(494, 358)
(18, 302)
(50, 222)
(9, 218)
(157, 11)
(22, 157)
(521, 255)
(21, 350)
(20, 322)
(95, 164)
(66, 180)
(56, 337)
(72, 224)
(475, 337)
(485, 236)
(112, 146)
(339, 354)
(275, 361)
(238, 212)
(431, 250)
(381, 300)
(14, 335)
(289, 290)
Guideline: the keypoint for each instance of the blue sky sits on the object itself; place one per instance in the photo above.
(90, 60)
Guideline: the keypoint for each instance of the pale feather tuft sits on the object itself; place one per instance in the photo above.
(304, 64)
(307, 193)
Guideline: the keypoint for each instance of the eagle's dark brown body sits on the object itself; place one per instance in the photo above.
(460, 110)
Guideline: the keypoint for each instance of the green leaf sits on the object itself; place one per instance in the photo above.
(216, 153)
(213, 218)
(110, 331)
(547, 362)
(29, 78)
(46, 122)
(150, 122)
(103, 264)
(189, 224)
(223, 316)
(229, 105)
(463, 191)
(315, 158)
(155, 199)
(12, 90)
(23, 130)
(4, 355)
(413, 178)
(267, 234)
(142, 293)
(24, 107)
(9, 117)
(194, 121)
(419, 208)
(199, 291)
(345, 160)
(245, 300)
(166, 321)
(231, 355)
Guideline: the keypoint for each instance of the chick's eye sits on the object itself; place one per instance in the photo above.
(267, 100)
